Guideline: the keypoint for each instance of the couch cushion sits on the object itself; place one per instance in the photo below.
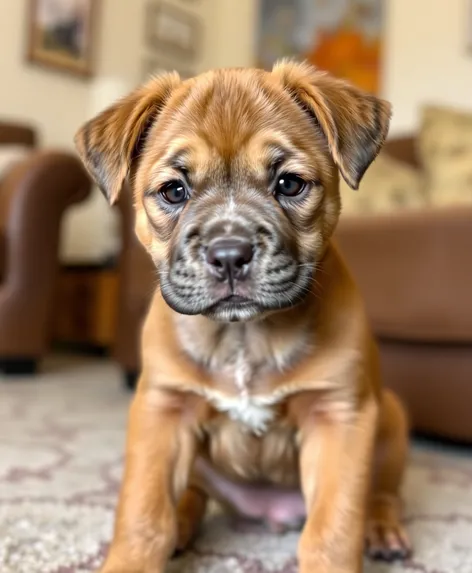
(414, 273)
(388, 186)
(445, 146)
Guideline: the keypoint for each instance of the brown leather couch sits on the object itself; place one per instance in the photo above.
(415, 273)
(34, 193)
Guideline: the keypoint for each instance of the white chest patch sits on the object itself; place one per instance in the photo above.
(255, 412)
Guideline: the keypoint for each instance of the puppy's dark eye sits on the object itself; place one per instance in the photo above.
(289, 185)
(174, 192)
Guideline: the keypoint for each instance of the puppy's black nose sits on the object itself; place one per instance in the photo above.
(229, 258)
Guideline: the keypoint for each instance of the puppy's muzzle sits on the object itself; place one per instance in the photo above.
(229, 259)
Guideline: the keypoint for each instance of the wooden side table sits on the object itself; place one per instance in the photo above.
(86, 308)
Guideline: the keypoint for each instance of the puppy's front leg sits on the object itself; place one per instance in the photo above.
(160, 450)
(336, 454)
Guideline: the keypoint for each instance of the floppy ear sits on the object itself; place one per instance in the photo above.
(108, 143)
(354, 123)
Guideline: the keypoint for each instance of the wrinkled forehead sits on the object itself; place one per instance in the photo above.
(232, 123)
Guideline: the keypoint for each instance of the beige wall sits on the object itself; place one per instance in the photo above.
(233, 33)
(426, 58)
(55, 103)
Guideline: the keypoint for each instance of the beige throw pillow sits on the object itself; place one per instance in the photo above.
(388, 186)
(445, 147)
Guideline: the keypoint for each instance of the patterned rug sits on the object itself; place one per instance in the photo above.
(61, 442)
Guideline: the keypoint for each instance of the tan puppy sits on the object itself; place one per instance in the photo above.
(260, 377)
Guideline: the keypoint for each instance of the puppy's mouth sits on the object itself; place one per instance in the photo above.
(233, 308)
(193, 297)
(234, 299)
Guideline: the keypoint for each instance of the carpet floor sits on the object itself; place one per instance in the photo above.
(61, 443)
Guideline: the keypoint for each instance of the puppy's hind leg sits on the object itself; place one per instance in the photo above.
(385, 536)
(190, 512)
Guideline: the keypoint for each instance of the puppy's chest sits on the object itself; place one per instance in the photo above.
(242, 394)
(242, 362)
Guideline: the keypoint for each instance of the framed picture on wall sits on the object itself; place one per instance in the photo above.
(61, 34)
(174, 31)
(342, 37)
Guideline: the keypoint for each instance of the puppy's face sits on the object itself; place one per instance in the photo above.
(235, 178)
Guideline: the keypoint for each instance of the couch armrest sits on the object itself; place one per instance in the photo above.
(414, 271)
(33, 197)
(17, 134)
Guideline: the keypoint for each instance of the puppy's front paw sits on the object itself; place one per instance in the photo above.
(319, 563)
(123, 568)
(115, 564)
(387, 541)
(129, 569)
